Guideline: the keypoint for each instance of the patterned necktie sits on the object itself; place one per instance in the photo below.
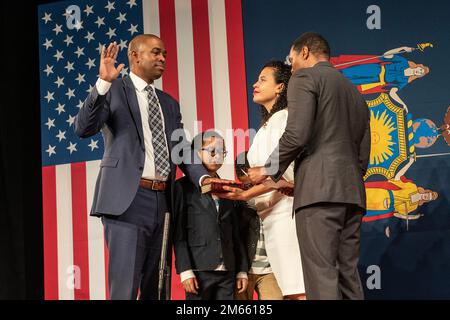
(159, 143)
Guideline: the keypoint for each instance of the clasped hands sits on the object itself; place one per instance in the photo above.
(191, 285)
(256, 176)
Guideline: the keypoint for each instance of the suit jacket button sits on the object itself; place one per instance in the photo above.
(141, 168)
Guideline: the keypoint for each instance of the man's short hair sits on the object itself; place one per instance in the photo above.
(316, 44)
(136, 42)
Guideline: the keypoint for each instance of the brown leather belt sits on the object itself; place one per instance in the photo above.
(153, 184)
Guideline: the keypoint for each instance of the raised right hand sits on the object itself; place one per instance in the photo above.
(191, 285)
(108, 70)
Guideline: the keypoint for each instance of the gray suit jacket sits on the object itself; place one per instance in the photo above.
(328, 136)
(117, 115)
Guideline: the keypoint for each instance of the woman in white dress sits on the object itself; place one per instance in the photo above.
(275, 208)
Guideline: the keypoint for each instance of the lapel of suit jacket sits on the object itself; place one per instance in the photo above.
(220, 203)
(165, 107)
(133, 105)
(209, 202)
(224, 206)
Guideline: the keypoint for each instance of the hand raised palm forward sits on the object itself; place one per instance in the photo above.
(108, 56)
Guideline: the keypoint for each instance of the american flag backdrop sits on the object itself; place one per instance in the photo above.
(205, 72)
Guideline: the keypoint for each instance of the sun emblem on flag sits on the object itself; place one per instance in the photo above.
(389, 137)
(382, 126)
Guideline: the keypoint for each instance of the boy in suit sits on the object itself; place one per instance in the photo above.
(210, 256)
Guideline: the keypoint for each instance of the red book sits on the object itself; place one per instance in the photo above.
(217, 187)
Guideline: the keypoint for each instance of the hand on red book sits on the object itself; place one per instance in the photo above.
(287, 191)
(218, 180)
(257, 174)
(283, 186)
(233, 193)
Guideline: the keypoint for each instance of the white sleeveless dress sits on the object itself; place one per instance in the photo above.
(280, 233)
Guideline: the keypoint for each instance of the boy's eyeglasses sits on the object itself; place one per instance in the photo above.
(213, 152)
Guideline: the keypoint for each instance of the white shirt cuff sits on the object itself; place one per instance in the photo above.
(188, 274)
(201, 178)
(242, 275)
(102, 86)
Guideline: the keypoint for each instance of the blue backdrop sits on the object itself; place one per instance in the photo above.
(412, 248)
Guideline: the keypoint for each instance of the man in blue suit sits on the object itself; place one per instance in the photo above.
(135, 184)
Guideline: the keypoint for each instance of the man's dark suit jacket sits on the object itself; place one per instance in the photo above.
(117, 115)
(328, 135)
(203, 236)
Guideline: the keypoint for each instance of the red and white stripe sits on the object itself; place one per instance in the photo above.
(205, 72)
(74, 249)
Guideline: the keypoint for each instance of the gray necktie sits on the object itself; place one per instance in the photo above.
(159, 143)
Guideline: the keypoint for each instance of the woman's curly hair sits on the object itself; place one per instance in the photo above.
(282, 74)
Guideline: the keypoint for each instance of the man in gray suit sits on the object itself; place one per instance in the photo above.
(135, 184)
(328, 137)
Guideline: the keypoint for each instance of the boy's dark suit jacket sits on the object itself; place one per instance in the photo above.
(203, 237)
